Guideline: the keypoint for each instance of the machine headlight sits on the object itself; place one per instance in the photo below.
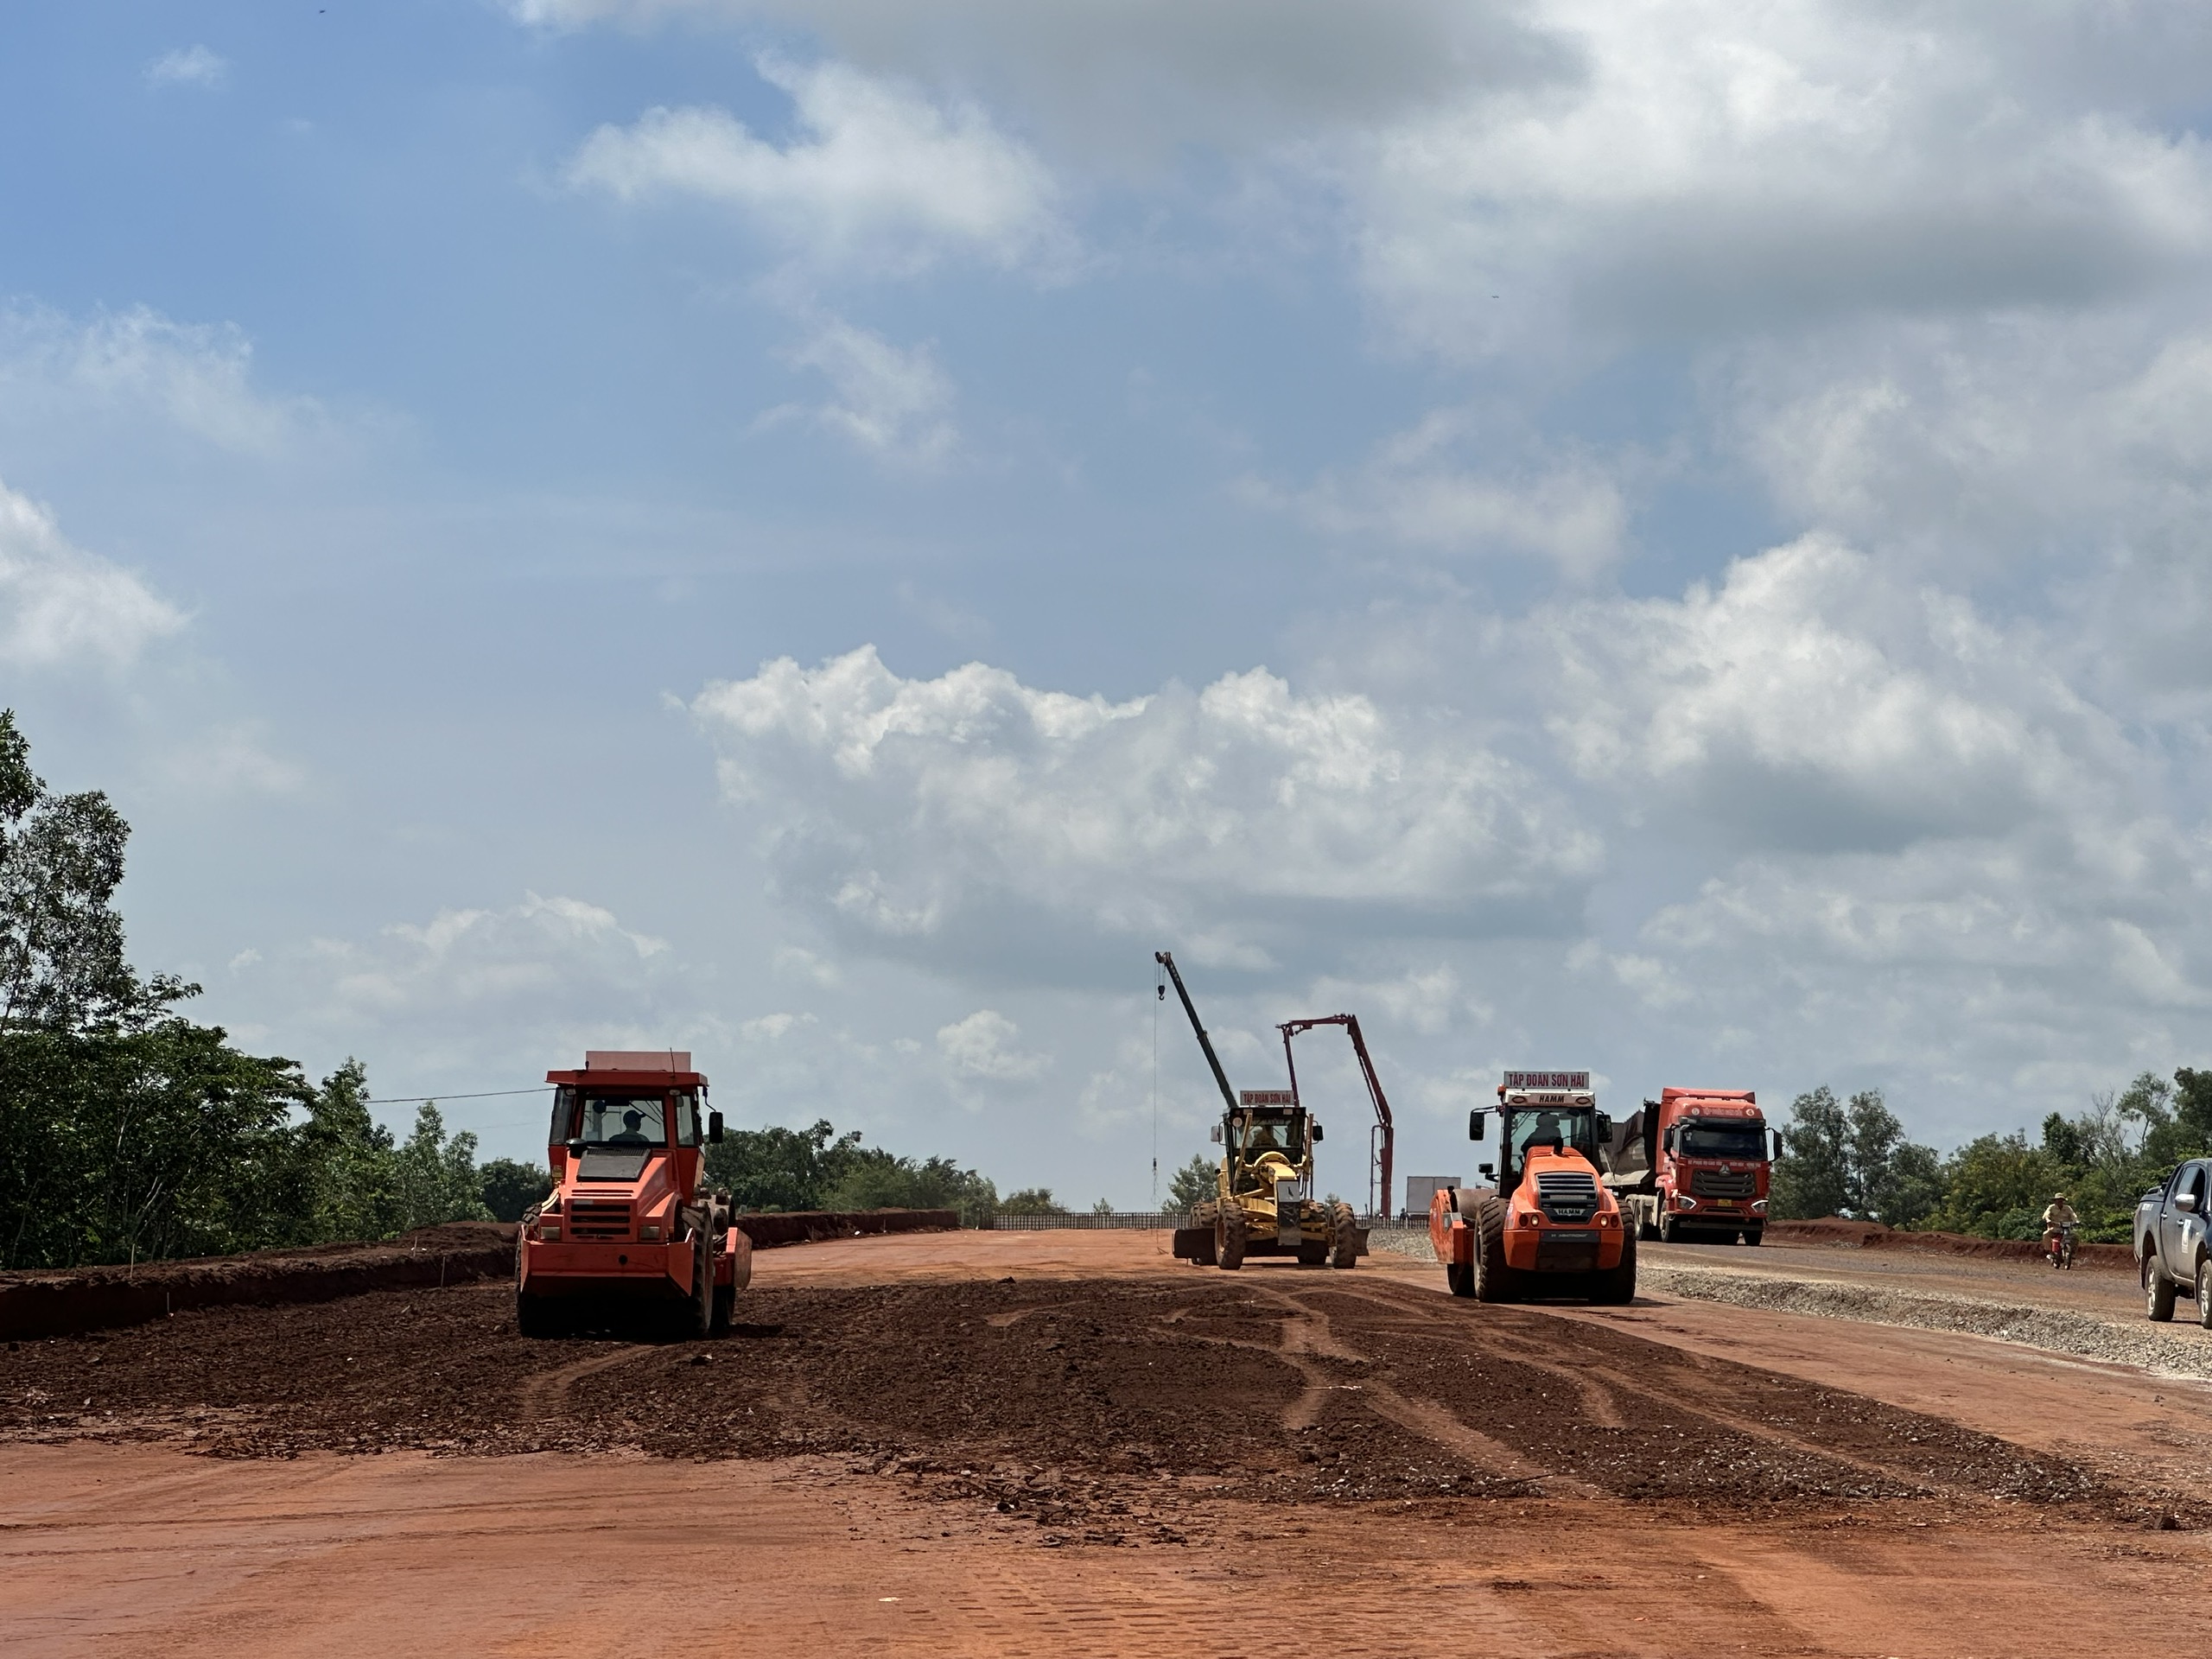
(1530, 1218)
(649, 1231)
(548, 1232)
(1683, 1201)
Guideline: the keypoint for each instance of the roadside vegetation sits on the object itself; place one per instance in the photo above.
(1853, 1158)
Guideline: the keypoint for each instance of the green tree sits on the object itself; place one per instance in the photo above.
(877, 1180)
(436, 1179)
(1195, 1184)
(1812, 1177)
(780, 1169)
(1996, 1186)
(62, 966)
(1032, 1201)
(508, 1187)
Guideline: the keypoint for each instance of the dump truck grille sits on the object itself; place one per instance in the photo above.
(598, 1219)
(1566, 1195)
(1712, 1183)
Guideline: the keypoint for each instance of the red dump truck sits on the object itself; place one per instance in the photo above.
(1693, 1164)
(629, 1223)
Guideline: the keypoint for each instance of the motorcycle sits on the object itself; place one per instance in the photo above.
(2058, 1246)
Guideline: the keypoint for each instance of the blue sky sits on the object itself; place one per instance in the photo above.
(1663, 539)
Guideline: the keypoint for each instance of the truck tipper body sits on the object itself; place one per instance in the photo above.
(1694, 1164)
(630, 1221)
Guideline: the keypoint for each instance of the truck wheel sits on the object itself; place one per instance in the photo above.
(1647, 1224)
(1670, 1230)
(1231, 1238)
(1344, 1242)
(1617, 1286)
(1461, 1280)
(2157, 1290)
(2205, 1294)
(1753, 1235)
(1494, 1280)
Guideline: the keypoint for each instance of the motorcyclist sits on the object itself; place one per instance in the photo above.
(2058, 1223)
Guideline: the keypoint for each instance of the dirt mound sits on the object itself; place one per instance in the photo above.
(1835, 1231)
(1086, 1406)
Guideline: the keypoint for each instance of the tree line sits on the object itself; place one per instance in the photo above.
(1853, 1158)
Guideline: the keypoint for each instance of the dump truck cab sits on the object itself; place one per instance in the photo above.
(1695, 1163)
(1550, 1226)
(630, 1221)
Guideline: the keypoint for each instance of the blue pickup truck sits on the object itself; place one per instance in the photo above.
(2173, 1241)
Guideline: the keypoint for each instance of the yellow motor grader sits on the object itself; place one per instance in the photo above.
(1264, 1203)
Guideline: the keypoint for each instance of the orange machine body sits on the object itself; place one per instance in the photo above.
(627, 1215)
(1569, 1237)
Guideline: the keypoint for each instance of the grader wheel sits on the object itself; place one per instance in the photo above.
(1231, 1237)
(1343, 1237)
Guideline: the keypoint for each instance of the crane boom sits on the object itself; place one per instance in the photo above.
(1166, 960)
(1384, 1133)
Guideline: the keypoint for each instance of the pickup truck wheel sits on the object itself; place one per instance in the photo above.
(2205, 1294)
(2157, 1290)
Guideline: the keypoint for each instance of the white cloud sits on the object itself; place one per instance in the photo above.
(985, 1047)
(190, 378)
(893, 403)
(1807, 701)
(1719, 169)
(1417, 490)
(60, 607)
(1136, 79)
(232, 760)
(189, 65)
(882, 176)
(944, 812)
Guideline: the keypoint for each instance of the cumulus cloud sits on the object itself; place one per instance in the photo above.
(880, 174)
(1718, 168)
(192, 378)
(1806, 702)
(986, 1047)
(189, 65)
(933, 813)
(62, 607)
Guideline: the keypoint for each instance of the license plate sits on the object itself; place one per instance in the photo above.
(1553, 1236)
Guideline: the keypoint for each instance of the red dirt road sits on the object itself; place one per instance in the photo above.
(1394, 1472)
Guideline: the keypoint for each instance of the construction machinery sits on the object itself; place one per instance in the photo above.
(1548, 1227)
(1382, 1137)
(1694, 1164)
(630, 1223)
(1263, 1203)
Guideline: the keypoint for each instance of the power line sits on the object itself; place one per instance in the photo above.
(432, 1100)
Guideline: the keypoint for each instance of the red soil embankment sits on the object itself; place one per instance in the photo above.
(1837, 1233)
(61, 1301)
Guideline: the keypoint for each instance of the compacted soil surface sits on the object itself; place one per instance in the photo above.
(901, 1447)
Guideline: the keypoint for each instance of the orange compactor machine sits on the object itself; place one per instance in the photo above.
(630, 1221)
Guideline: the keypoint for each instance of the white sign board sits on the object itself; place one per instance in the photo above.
(1547, 1079)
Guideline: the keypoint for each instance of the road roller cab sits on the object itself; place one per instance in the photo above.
(630, 1220)
(1548, 1227)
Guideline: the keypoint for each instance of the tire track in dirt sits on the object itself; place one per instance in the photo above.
(544, 1395)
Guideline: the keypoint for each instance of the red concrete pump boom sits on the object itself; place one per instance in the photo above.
(1379, 1138)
